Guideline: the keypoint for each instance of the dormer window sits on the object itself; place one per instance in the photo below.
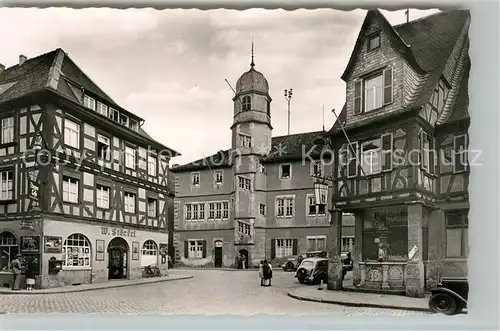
(247, 103)
(374, 91)
(114, 114)
(440, 94)
(373, 41)
(102, 108)
(89, 102)
(134, 125)
(123, 119)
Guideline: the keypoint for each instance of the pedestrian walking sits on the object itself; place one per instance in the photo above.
(30, 273)
(17, 267)
(261, 273)
(267, 273)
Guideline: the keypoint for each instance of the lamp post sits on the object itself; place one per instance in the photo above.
(288, 98)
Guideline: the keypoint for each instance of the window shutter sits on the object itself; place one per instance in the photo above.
(352, 170)
(357, 97)
(273, 248)
(459, 145)
(435, 157)
(423, 139)
(204, 249)
(186, 249)
(388, 91)
(387, 151)
(295, 247)
(432, 164)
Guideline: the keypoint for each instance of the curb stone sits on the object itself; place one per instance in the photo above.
(76, 289)
(357, 304)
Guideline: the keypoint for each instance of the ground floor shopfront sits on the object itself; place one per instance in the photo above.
(73, 252)
(406, 248)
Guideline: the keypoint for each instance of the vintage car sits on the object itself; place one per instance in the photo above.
(450, 296)
(292, 262)
(312, 270)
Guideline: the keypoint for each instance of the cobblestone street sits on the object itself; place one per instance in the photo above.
(210, 292)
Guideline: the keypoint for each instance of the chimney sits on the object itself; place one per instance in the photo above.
(22, 59)
(2, 68)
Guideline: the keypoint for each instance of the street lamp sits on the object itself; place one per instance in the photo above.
(288, 97)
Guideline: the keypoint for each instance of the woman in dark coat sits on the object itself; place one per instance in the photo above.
(267, 273)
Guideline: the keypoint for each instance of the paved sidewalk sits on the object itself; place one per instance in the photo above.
(311, 293)
(99, 286)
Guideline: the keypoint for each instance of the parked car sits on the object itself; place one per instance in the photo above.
(312, 270)
(292, 262)
(450, 296)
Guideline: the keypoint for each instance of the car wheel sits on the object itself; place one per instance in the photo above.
(443, 303)
(289, 266)
(301, 276)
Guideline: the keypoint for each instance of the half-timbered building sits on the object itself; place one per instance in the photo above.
(257, 198)
(84, 189)
(404, 173)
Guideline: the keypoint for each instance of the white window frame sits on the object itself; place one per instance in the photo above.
(130, 157)
(218, 210)
(245, 140)
(149, 248)
(195, 249)
(89, 102)
(71, 134)
(281, 170)
(315, 238)
(371, 168)
(376, 103)
(283, 247)
(7, 184)
(195, 179)
(134, 125)
(79, 245)
(194, 211)
(225, 210)
(218, 177)
(102, 108)
(122, 118)
(244, 228)
(129, 202)
(114, 114)
(245, 183)
(152, 207)
(7, 130)
(262, 209)
(152, 165)
(70, 189)
(246, 106)
(107, 142)
(103, 196)
(288, 206)
(464, 154)
(320, 165)
(9, 247)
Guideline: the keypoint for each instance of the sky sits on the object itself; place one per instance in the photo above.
(169, 66)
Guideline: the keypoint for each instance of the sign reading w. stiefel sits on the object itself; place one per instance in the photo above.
(120, 232)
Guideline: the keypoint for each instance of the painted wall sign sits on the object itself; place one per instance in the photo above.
(52, 244)
(163, 249)
(117, 232)
(30, 244)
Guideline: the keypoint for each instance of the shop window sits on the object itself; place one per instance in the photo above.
(76, 252)
(8, 250)
(316, 243)
(457, 225)
(149, 253)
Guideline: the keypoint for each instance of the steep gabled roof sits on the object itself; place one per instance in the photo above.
(284, 148)
(55, 71)
(461, 107)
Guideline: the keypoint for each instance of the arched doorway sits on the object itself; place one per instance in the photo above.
(118, 252)
(244, 263)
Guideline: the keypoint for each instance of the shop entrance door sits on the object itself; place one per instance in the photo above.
(117, 258)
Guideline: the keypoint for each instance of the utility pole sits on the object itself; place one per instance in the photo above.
(288, 97)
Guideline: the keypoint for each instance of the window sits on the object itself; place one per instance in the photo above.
(129, 157)
(195, 212)
(134, 125)
(218, 177)
(129, 202)
(244, 183)
(284, 206)
(8, 250)
(114, 114)
(247, 103)
(103, 147)
(152, 207)
(225, 210)
(378, 91)
(460, 154)
(124, 120)
(285, 171)
(245, 141)
(149, 254)
(195, 179)
(313, 209)
(102, 196)
(427, 151)
(370, 157)
(262, 209)
(7, 130)
(218, 210)
(284, 247)
(316, 243)
(102, 109)
(457, 243)
(352, 160)
(373, 41)
(196, 249)
(347, 244)
(89, 102)
(316, 168)
(438, 99)
(76, 251)
(7, 185)
(244, 228)
(71, 134)
(152, 165)
(70, 189)
(260, 166)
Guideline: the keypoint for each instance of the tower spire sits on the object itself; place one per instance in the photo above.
(252, 64)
